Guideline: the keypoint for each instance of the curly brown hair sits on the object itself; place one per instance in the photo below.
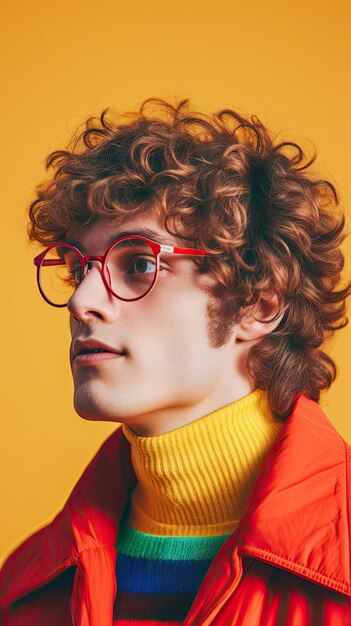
(226, 184)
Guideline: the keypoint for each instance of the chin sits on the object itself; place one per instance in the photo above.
(90, 408)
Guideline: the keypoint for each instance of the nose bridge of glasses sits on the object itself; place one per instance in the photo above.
(88, 264)
(97, 257)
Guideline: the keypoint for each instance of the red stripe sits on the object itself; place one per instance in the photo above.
(152, 606)
(133, 622)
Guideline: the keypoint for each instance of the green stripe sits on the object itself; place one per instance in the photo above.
(138, 544)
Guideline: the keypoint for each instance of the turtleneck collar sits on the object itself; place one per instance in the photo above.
(195, 480)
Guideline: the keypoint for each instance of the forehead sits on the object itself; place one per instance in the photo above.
(97, 237)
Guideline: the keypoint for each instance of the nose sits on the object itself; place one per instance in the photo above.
(92, 299)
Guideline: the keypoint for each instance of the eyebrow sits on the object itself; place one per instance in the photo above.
(145, 232)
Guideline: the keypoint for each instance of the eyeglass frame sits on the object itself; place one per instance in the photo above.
(157, 249)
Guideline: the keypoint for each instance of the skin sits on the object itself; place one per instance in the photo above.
(170, 374)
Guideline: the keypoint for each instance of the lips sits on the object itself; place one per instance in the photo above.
(94, 346)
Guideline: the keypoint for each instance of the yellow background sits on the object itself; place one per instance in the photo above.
(288, 62)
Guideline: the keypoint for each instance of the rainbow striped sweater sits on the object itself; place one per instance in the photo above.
(193, 484)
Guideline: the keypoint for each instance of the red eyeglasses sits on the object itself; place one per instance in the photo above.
(130, 268)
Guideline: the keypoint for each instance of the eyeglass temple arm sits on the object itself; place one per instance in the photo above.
(176, 250)
(36, 261)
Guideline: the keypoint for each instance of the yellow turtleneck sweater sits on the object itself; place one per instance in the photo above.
(195, 480)
(192, 488)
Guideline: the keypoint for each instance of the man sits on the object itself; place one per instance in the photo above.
(199, 262)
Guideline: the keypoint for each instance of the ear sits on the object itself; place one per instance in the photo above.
(252, 327)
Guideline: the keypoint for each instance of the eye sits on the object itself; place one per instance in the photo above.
(75, 275)
(142, 265)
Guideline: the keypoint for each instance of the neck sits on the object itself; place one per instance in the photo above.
(196, 479)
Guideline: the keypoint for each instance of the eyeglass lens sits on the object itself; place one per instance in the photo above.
(130, 271)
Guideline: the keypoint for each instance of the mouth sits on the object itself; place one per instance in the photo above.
(87, 357)
(86, 352)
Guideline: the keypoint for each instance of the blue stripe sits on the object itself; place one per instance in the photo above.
(152, 576)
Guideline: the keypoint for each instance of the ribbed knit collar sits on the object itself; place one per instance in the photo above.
(195, 480)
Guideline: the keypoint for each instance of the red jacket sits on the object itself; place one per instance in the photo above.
(287, 564)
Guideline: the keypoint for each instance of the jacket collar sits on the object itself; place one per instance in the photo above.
(89, 519)
(296, 517)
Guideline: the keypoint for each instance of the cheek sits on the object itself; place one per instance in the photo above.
(177, 332)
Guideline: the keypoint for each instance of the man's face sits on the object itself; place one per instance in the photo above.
(162, 371)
